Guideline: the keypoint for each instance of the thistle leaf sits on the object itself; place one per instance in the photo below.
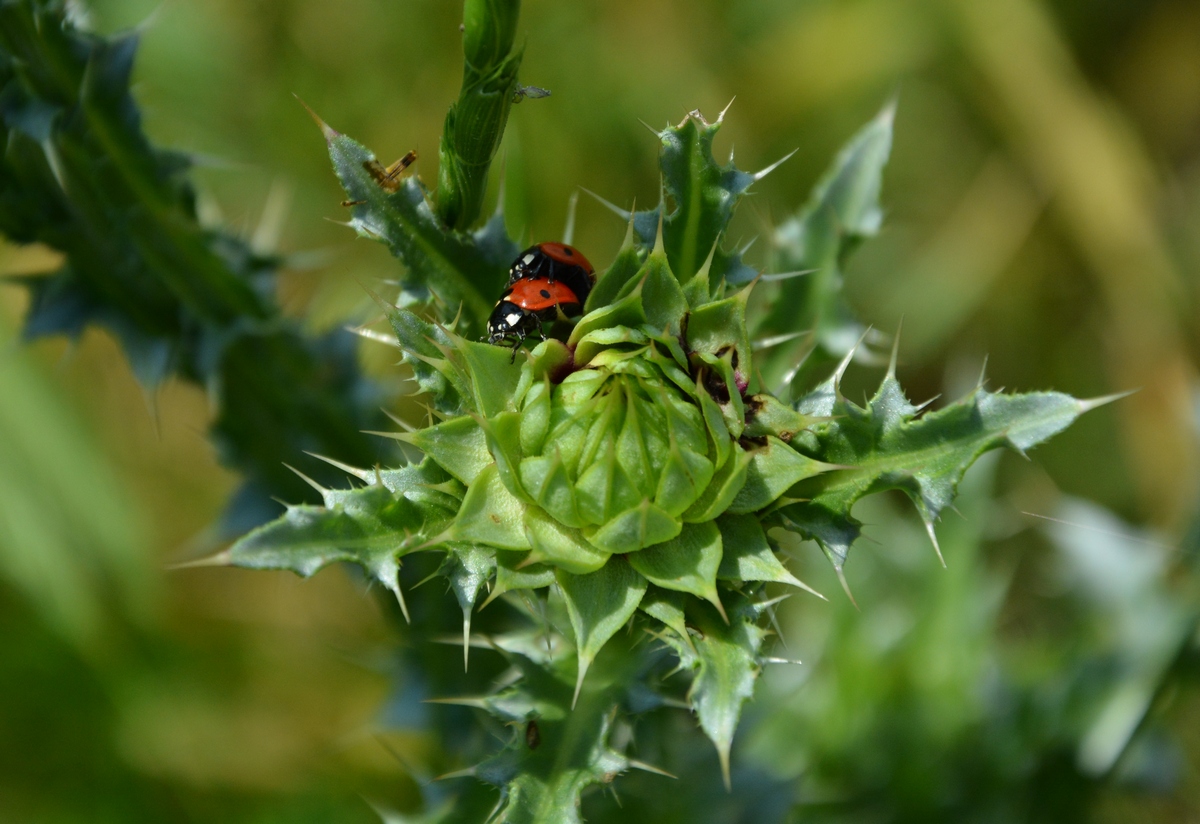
(79, 175)
(704, 193)
(543, 784)
(457, 446)
(599, 604)
(726, 665)
(746, 554)
(890, 447)
(773, 470)
(372, 527)
(688, 563)
(667, 606)
(561, 546)
(425, 349)
(512, 572)
(490, 514)
(468, 568)
(459, 268)
(842, 211)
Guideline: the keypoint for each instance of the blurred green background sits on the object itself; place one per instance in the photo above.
(1043, 210)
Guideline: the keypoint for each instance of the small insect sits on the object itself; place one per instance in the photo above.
(530, 92)
(389, 178)
(533, 736)
(545, 282)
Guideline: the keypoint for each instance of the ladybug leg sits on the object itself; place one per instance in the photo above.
(516, 347)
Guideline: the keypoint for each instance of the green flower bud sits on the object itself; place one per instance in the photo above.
(612, 442)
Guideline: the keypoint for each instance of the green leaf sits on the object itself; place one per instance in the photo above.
(512, 572)
(727, 482)
(623, 269)
(78, 174)
(720, 326)
(843, 209)
(503, 433)
(370, 527)
(455, 266)
(687, 563)
(626, 310)
(494, 376)
(560, 546)
(490, 514)
(548, 483)
(667, 605)
(457, 445)
(890, 447)
(774, 469)
(684, 477)
(662, 297)
(599, 604)
(468, 568)
(426, 349)
(767, 415)
(747, 556)
(721, 383)
(726, 664)
(632, 530)
(704, 194)
(543, 784)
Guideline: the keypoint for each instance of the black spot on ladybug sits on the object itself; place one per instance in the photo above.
(533, 736)
(545, 294)
(567, 251)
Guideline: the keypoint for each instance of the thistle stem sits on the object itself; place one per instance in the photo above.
(475, 123)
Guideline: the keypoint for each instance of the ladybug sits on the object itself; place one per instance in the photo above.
(544, 282)
(526, 303)
(555, 261)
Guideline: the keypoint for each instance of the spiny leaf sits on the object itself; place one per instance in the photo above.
(457, 445)
(726, 662)
(490, 514)
(455, 266)
(773, 470)
(889, 447)
(425, 348)
(704, 193)
(688, 563)
(468, 568)
(79, 175)
(843, 209)
(667, 606)
(543, 784)
(513, 573)
(371, 527)
(746, 554)
(600, 604)
(561, 546)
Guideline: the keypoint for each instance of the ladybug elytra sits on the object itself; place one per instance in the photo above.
(545, 281)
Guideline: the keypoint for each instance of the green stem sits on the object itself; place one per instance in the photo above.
(475, 123)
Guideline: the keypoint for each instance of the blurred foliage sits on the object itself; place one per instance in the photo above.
(1043, 202)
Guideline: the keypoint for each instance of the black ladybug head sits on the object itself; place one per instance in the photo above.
(509, 320)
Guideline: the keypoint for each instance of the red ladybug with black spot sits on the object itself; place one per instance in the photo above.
(545, 281)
